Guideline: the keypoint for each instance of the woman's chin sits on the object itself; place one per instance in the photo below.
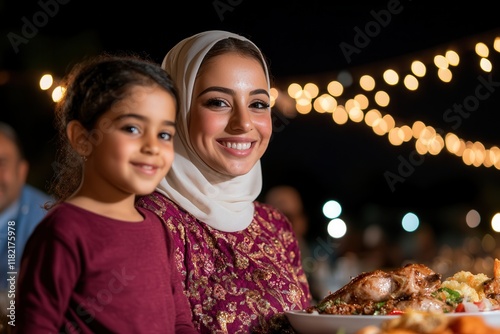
(234, 171)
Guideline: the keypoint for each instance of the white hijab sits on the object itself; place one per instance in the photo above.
(222, 202)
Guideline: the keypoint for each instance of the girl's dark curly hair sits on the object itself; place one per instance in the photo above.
(93, 86)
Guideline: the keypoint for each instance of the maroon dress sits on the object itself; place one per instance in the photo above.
(236, 282)
(86, 273)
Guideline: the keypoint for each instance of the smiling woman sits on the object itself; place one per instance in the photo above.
(230, 128)
(239, 258)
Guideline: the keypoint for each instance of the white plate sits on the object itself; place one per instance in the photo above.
(310, 323)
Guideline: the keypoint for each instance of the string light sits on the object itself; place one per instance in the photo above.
(427, 139)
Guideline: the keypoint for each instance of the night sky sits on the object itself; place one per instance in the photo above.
(305, 41)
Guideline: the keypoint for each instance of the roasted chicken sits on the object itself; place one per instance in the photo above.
(492, 286)
(386, 292)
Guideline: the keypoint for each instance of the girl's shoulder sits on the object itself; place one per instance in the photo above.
(64, 219)
(62, 211)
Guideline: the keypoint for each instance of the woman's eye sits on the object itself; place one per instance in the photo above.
(216, 103)
(260, 105)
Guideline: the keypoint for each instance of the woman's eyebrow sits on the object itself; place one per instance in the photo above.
(231, 91)
(217, 89)
(259, 91)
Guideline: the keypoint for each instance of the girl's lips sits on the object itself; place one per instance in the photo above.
(146, 168)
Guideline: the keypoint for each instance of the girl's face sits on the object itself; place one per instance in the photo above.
(132, 144)
(230, 117)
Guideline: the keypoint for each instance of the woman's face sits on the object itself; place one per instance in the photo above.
(230, 117)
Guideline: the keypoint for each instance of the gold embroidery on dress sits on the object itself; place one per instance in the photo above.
(211, 261)
(223, 318)
(241, 261)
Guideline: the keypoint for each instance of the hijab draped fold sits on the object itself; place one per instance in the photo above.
(220, 201)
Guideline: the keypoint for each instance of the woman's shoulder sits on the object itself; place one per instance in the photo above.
(262, 207)
(270, 221)
(269, 213)
(160, 204)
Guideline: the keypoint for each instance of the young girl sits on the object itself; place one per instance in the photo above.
(96, 263)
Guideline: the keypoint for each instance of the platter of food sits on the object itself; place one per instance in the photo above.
(412, 297)
(314, 323)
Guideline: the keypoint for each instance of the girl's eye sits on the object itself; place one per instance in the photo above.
(165, 136)
(131, 129)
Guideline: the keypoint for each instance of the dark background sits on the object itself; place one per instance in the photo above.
(301, 40)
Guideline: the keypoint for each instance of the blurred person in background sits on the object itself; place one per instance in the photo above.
(21, 209)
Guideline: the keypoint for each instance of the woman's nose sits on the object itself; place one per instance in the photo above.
(241, 120)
